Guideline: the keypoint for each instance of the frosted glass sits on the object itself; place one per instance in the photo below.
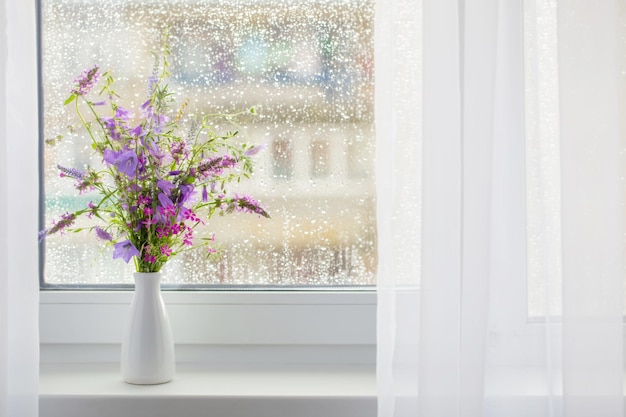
(306, 66)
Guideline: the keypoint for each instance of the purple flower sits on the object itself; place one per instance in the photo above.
(186, 192)
(143, 199)
(205, 194)
(137, 132)
(85, 81)
(109, 156)
(165, 186)
(216, 165)
(178, 149)
(158, 120)
(152, 82)
(165, 200)
(102, 234)
(246, 204)
(123, 114)
(124, 250)
(255, 150)
(66, 221)
(71, 172)
(127, 162)
(166, 209)
(154, 150)
(111, 126)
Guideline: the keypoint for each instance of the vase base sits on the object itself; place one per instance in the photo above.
(147, 381)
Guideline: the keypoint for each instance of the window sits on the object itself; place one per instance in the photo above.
(282, 159)
(319, 159)
(308, 71)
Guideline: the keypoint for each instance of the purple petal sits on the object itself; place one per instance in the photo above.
(186, 192)
(165, 200)
(124, 250)
(103, 234)
(255, 150)
(165, 186)
(109, 156)
(127, 163)
(137, 132)
(123, 114)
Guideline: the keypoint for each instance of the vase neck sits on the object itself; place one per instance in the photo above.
(145, 280)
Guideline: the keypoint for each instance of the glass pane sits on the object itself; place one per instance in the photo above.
(305, 66)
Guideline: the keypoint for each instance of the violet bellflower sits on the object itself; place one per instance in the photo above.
(153, 149)
(125, 250)
(165, 201)
(123, 114)
(166, 209)
(165, 186)
(136, 132)
(110, 124)
(109, 156)
(186, 192)
(255, 150)
(127, 163)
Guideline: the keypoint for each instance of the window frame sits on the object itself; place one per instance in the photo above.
(306, 327)
(295, 326)
(292, 167)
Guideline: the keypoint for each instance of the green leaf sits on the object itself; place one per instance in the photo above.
(70, 99)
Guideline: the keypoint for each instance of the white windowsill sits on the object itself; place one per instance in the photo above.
(239, 354)
(77, 390)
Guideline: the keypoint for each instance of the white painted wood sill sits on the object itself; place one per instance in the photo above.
(96, 390)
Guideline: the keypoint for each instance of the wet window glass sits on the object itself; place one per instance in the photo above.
(307, 69)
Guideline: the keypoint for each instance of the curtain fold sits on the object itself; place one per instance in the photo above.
(509, 302)
(19, 284)
(592, 207)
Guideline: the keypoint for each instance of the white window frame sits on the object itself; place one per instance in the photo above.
(272, 327)
(305, 326)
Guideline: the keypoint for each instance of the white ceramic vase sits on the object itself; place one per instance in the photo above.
(148, 346)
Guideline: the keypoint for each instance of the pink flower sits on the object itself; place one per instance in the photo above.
(165, 250)
(85, 81)
(162, 232)
(149, 221)
(188, 237)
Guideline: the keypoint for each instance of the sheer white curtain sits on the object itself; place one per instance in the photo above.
(19, 287)
(500, 157)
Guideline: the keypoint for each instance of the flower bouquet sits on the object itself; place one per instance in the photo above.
(157, 182)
